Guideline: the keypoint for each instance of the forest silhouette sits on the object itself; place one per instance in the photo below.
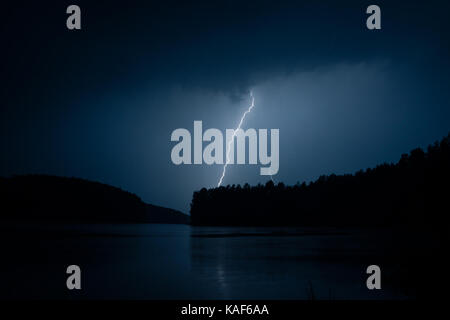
(412, 192)
(63, 199)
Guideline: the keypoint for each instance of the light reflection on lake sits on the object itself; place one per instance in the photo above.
(151, 261)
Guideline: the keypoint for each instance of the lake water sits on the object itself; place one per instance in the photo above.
(155, 261)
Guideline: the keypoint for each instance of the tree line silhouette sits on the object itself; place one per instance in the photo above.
(62, 199)
(413, 191)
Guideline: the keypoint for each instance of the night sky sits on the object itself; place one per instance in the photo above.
(101, 103)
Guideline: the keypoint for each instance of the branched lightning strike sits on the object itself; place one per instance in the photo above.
(234, 135)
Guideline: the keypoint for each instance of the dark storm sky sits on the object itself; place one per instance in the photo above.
(102, 102)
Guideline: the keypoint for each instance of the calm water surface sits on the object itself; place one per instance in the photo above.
(152, 261)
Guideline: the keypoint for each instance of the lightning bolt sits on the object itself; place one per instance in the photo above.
(252, 104)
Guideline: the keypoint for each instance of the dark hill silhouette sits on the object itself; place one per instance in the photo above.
(413, 191)
(60, 199)
(157, 214)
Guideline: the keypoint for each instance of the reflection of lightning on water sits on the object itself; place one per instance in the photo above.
(234, 135)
